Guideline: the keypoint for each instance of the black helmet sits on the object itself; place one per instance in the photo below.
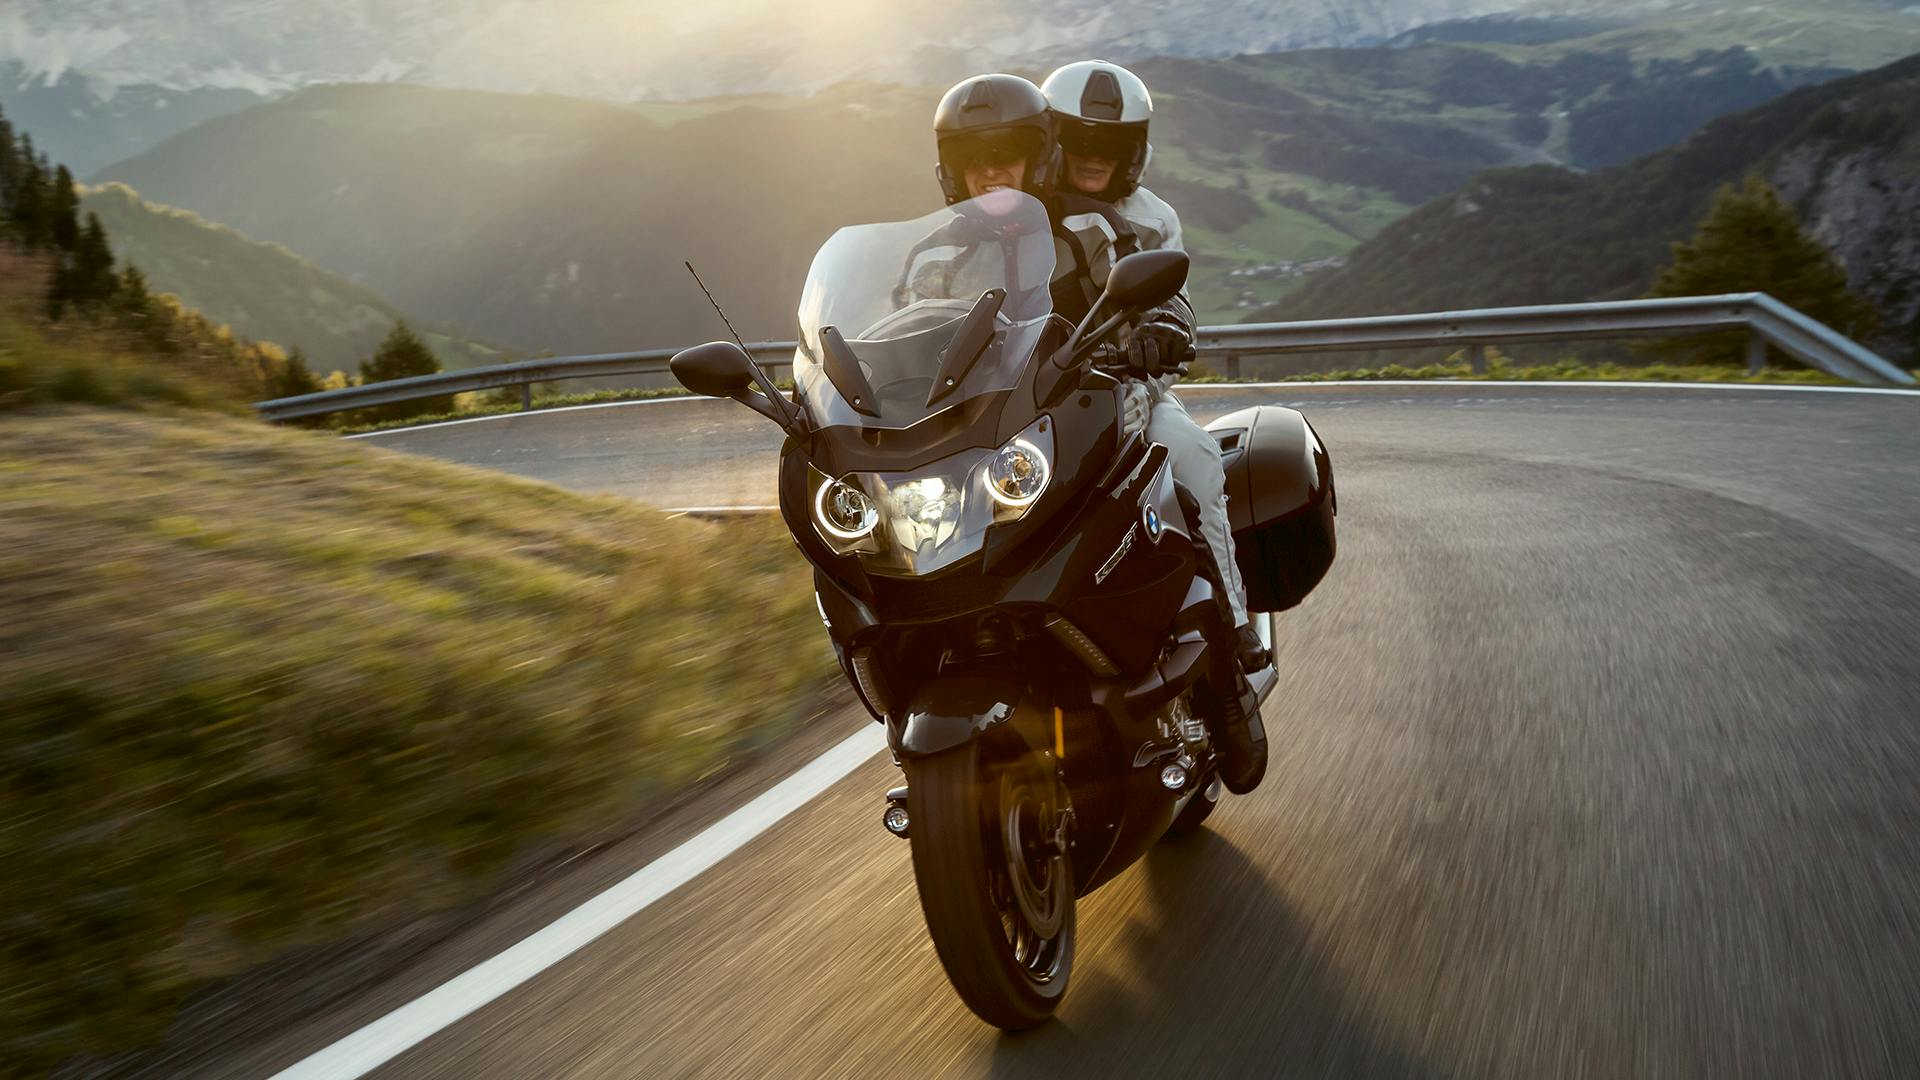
(992, 117)
(1102, 111)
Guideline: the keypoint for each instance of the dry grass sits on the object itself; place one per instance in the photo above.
(264, 687)
(82, 360)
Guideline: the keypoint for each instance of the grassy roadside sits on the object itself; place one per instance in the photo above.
(1498, 370)
(265, 689)
(88, 361)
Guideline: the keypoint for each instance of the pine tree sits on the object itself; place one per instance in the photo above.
(86, 276)
(293, 377)
(93, 262)
(402, 355)
(9, 171)
(135, 308)
(28, 205)
(1751, 241)
(132, 299)
(63, 211)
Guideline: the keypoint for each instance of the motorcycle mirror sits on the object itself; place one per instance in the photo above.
(1147, 279)
(717, 369)
(1142, 280)
(723, 369)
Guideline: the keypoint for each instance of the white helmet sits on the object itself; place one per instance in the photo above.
(1101, 110)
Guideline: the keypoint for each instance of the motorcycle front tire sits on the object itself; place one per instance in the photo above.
(966, 806)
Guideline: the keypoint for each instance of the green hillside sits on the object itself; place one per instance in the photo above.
(268, 689)
(1853, 34)
(1846, 154)
(262, 290)
(562, 223)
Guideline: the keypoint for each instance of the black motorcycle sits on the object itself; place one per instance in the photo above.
(1016, 590)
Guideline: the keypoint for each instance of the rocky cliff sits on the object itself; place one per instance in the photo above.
(1846, 154)
(1858, 191)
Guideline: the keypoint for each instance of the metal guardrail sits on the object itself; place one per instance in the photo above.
(521, 373)
(1767, 322)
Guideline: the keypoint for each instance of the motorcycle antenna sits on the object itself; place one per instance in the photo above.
(760, 376)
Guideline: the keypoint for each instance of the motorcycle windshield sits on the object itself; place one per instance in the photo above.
(897, 292)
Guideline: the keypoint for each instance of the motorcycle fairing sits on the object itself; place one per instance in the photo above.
(952, 709)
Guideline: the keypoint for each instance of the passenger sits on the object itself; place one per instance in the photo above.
(1101, 113)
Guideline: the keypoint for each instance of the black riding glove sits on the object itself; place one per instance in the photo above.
(1157, 349)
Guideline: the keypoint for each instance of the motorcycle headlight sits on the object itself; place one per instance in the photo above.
(921, 522)
(926, 501)
(1017, 473)
(843, 511)
(922, 513)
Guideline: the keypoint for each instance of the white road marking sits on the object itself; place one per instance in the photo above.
(402, 1029)
(531, 412)
(681, 511)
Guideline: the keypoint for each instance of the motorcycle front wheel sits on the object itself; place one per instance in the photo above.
(994, 881)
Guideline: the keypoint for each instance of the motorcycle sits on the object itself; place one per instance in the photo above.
(1014, 586)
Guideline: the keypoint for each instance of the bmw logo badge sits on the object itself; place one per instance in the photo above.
(1153, 524)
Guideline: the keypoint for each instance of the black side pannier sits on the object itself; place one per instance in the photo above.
(1280, 502)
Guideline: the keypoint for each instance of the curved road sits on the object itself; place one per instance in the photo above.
(1597, 754)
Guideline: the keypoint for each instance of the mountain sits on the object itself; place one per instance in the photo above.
(561, 223)
(1845, 153)
(626, 50)
(102, 80)
(1851, 34)
(553, 221)
(262, 291)
(87, 123)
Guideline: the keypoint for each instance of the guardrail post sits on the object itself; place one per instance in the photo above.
(526, 396)
(1233, 365)
(1756, 353)
(1477, 356)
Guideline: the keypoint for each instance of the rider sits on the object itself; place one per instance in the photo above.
(1000, 131)
(1101, 112)
(992, 133)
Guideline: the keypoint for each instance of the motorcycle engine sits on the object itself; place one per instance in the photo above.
(1179, 722)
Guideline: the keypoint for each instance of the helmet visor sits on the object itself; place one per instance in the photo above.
(1111, 142)
(994, 148)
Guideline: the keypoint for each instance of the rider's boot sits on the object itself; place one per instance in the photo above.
(1239, 738)
(1241, 741)
(1252, 653)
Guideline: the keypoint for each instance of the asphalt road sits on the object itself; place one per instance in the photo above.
(1597, 754)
